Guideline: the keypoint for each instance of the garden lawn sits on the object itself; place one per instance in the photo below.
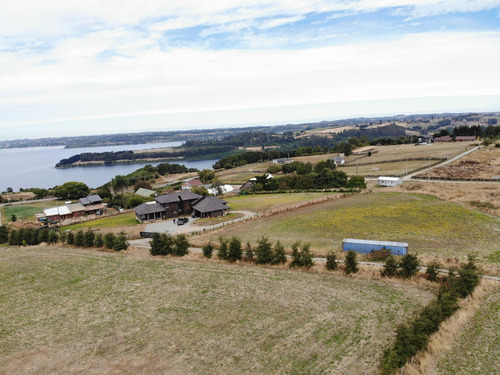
(77, 311)
(429, 225)
(123, 220)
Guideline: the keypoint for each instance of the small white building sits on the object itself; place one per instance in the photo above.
(389, 181)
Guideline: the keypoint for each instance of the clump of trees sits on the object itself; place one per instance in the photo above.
(406, 267)
(414, 336)
(166, 244)
(71, 190)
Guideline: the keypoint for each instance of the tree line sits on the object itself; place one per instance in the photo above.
(36, 236)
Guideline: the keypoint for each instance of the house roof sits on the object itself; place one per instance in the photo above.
(55, 211)
(94, 207)
(176, 197)
(388, 178)
(145, 192)
(91, 199)
(465, 138)
(149, 208)
(75, 207)
(445, 138)
(210, 204)
(195, 182)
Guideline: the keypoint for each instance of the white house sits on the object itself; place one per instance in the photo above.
(389, 181)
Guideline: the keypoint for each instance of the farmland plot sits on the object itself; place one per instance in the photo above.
(79, 311)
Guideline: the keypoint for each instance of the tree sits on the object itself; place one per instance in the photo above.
(53, 237)
(135, 200)
(223, 249)
(79, 238)
(43, 235)
(351, 262)
(181, 245)
(356, 182)
(70, 238)
(99, 240)
(156, 244)
(4, 234)
(235, 251)
(71, 190)
(301, 257)
(13, 218)
(468, 278)
(120, 242)
(409, 266)
(279, 256)
(89, 238)
(208, 250)
(109, 240)
(331, 261)
(142, 184)
(390, 266)
(263, 251)
(206, 175)
(13, 238)
(119, 183)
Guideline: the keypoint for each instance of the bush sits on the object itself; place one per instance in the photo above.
(379, 255)
(70, 238)
(351, 262)
(4, 234)
(409, 266)
(53, 237)
(249, 255)
(79, 239)
(208, 250)
(99, 240)
(432, 271)
(331, 261)
(468, 278)
(161, 244)
(390, 266)
(279, 256)
(89, 238)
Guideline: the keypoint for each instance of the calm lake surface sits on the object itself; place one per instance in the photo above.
(35, 167)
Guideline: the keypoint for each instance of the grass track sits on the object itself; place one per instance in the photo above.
(79, 311)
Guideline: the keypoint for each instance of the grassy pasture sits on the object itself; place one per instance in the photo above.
(240, 175)
(476, 351)
(429, 225)
(78, 311)
(123, 220)
(266, 202)
(28, 210)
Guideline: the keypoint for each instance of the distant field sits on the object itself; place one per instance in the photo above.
(266, 202)
(242, 174)
(477, 350)
(77, 311)
(393, 169)
(429, 225)
(122, 220)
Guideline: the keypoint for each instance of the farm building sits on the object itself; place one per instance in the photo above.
(210, 207)
(465, 138)
(282, 161)
(366, 246)
(445, 138)
(188, 185)
(389, 181)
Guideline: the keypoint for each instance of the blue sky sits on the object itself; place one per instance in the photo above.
(74, 68)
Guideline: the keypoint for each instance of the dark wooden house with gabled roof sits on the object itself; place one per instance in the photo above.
(210, 207)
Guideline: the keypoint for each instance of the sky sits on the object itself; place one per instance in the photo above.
(98, 67)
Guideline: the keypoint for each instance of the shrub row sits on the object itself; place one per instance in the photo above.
(166, 244)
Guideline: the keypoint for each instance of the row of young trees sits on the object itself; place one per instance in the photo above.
(414, 336)
(35, 236)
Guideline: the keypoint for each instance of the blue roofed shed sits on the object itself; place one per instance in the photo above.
(365, 246)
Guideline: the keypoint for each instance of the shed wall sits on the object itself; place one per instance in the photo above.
(366, 248)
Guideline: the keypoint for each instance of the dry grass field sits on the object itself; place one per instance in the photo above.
(430, 226)
(387, 169)
(484, 163)
(242, 174)
(476, 350)
(484, 196)
(71, 311)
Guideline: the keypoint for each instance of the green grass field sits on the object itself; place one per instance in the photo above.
(396, 168)
(476, 351)
(80, 311)
(217, 220)
(123, 220)
(266, 202)
(27, 210)
(427, 224)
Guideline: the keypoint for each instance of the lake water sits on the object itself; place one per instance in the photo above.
(35, 167)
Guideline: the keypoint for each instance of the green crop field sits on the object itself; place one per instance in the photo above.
(266, 202)
(429, 225)
(80, 311)
(476, 351)
(123, 220)
(28, 210)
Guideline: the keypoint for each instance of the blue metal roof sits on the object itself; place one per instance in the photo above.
(370, 242)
